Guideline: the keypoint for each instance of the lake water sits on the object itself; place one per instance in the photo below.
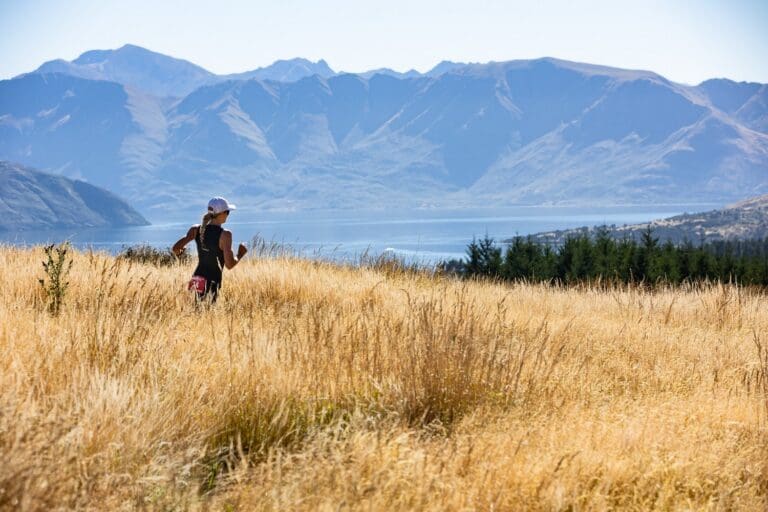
(416, 235)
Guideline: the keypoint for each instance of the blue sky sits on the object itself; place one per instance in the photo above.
(684, 40)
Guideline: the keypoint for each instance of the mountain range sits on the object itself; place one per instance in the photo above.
(166, 134)
(30, 199)
(164, 76)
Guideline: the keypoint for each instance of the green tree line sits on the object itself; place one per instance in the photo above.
(601, 257)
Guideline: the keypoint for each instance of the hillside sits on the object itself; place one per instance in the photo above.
(316, 387)
(31, 199)
(518, 132)
(746, 220)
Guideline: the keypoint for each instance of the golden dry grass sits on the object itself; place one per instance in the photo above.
(315, 387)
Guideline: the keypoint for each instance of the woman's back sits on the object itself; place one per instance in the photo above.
(210, 257)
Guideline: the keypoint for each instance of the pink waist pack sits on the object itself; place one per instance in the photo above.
(197, 283)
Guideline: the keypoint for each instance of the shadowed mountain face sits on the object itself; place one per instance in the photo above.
(65, 124)
(31, 199)
(482, 134)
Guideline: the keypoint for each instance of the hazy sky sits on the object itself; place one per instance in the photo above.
(684, 40)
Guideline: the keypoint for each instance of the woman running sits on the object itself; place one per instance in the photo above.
(214, 249)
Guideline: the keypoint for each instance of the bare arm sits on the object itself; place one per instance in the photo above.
(225, 244)
(183, 241)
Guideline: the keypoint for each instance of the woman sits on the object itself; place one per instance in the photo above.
(214, 249)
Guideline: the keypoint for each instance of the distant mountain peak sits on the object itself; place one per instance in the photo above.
(92, 56)
(129, 46)
(286, 70)
(296, 60)
(411, 73)
(136, 67)
(444, 66)
(95, 56)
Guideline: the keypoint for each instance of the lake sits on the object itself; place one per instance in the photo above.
(416, 235)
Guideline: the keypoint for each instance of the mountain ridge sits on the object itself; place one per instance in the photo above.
(170, 76)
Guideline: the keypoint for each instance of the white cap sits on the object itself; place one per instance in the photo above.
(219, 204)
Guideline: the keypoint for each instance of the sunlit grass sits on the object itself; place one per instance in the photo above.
(312, 386)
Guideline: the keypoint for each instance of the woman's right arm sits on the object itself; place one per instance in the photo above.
(183, 241)
(225, 244)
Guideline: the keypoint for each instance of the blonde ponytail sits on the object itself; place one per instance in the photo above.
(207, 218)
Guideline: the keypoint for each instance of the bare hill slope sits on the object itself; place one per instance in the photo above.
(30, 199)
(745, 220)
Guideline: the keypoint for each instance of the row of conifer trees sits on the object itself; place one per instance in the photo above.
(603, 258)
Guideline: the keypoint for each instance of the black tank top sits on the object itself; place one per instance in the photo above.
(210, 258)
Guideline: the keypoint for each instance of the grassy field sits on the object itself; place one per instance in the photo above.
(315, 387)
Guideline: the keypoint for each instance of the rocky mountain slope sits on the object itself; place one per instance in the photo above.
(30, 199)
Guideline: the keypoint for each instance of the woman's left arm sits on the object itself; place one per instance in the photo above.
(183, 241)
